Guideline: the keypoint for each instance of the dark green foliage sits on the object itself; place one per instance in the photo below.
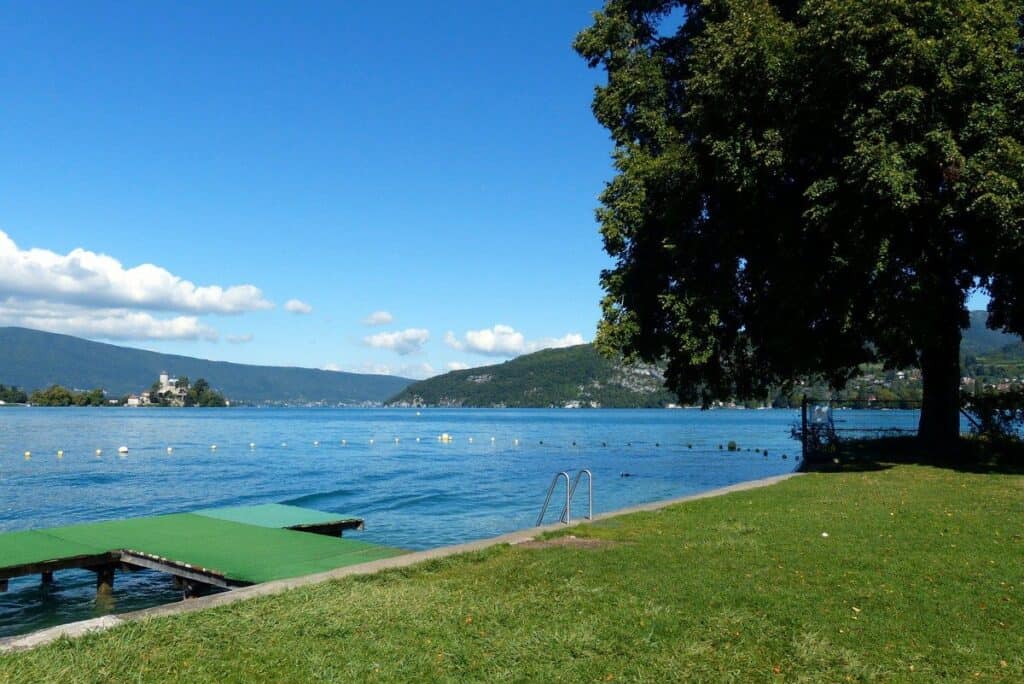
(200, 394)
(805, 187)
(55, 395)
(30, 358)
(12, 395)
(998, 415)
(552, 377)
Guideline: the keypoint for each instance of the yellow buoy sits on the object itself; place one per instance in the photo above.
(60, 453)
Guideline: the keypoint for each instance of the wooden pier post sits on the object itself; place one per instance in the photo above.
(47, 577)
(104, 580)
(3, 585)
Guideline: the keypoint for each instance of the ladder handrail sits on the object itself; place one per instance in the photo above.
(547, 500)
(590, 494)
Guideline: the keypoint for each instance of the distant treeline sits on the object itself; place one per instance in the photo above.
(55, 395)
(12, 395)
(199, 394)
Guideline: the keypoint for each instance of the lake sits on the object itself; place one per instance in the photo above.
(384, 465)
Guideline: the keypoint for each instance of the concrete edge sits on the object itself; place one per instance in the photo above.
(77, 629)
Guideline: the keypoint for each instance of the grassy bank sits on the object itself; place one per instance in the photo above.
(920, 576)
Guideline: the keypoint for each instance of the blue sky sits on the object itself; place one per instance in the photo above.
(380, 187)
(437, 162)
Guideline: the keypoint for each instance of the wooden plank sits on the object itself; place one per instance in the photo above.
(82, 562)
(178, 569)
(104, 580)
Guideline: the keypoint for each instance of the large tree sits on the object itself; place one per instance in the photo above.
(803, 187)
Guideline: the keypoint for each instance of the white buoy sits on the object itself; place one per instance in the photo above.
(60, 453)
(252, 445)
(417, 439)
(99, 452)
(284, 444)
(396, 440)
(344, 442)
(470, 440)
(122, 450)
(516, 442)
(28, 455)
(316, 443)
(170, 450)
(213, 447)
(371, 441)
(492, 439)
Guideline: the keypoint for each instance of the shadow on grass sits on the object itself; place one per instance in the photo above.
(970, 455)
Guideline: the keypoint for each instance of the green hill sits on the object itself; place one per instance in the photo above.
(979, 340)
(32, 359)
(552, 377)
(580, 376)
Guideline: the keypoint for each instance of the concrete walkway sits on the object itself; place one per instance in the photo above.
(76, 629)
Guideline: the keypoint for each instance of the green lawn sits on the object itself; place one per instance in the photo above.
(921, 577)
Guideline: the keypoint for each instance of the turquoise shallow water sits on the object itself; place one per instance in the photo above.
(491, 478)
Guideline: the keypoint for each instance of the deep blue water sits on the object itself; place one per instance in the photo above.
(413, 494)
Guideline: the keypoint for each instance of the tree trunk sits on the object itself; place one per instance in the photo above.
(939, 427)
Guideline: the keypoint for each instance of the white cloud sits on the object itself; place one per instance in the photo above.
(379, 318)
(504, 340)
(109, 324)
(567, 340)
(94, 280)
(297, 306)
(403, 342)
(457, 365)
(240, 339)
(416, 371)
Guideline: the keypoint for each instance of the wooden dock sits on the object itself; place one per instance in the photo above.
(220, 547)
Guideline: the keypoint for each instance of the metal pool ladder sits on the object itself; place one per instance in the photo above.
(570, 491)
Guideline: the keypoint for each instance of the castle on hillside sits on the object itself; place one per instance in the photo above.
(166, 390)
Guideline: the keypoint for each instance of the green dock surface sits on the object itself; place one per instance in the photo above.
(277, 516)
(241, 545)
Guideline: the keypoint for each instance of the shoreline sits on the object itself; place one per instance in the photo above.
(80, 628)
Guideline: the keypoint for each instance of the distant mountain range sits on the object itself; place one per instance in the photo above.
(979, 340)
(31, 359)
(579, 376)
(573, 376)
